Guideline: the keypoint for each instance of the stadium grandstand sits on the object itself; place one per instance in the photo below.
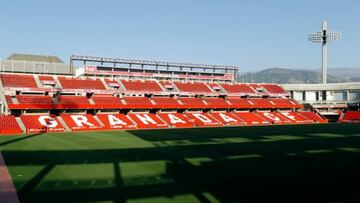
(42, 94)
(334, 101)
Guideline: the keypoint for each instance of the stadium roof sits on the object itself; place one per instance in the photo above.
(36, 58)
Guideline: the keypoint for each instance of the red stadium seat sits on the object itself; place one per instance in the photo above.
(16, 80)
(261, 103)
(112, 83)
(9, 125)
(41, 123)
(197, 87)
(107, 102)
(285, 103)
(47, 80)
(85, 84)
(147, 121)
(203, 119)
(8, 99)
(251, 118)
(116, 121)
(192, 102)
(273, 89)
(214, 102)
(228, 118)
(237, 102)
(80, 122)
(238, 89)
(141, 86)
(295, 117)
(176, 120)
(313, 116)
(138, 102)
(166, 102)
(273, 117)
(73, 102)
(351, 117)
(33, 102)
(216, 87)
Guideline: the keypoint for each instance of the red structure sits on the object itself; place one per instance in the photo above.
(113, 100)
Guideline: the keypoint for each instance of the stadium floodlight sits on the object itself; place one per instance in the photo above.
(324, 37)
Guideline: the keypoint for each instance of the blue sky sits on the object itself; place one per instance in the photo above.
(252, 34)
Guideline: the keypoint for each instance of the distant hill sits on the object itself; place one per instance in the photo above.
(348, 74)
(291, 76)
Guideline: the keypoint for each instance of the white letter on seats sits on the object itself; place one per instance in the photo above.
(227, 118)
(174, 119)
(271, 116)
(146, 119)
(80, 120)
(113, 120)
(202, 118)
(287, 114)
(47, 121)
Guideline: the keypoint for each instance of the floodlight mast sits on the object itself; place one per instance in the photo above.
(324, 37)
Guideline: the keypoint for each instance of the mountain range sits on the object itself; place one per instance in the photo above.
(293, 76)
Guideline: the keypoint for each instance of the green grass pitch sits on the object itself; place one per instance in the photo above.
(300, 163)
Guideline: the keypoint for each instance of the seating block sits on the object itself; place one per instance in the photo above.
(176, 120)
(203, 119)
(41, 123)
(144, 120)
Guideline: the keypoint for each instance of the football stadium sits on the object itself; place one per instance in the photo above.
(177, 125)
(152, 131)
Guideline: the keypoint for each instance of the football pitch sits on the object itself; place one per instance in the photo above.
(299, 163)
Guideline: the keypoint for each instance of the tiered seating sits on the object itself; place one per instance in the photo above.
(167, 84)
(238, 89)
(176, 120)
(33, 102)
(215, 86)
(351, 117)
(41, 123)
(73, 102)
(251, 118)
(273, 89)
(214, 102)
(8, 125)
(116, 121)
(148, 121)
(285, 103)
(295, 117)
(185, 100)
(138, 102)
(107, 102)
(80, 122)
(261, 103)
(192, 102)
(112, 83)
(87, 84)
(8, 99)
(197, 87)
(228, 118)
(203, 119)
(141, 86)
(257, 87)
(237, 102)
(15, 80)
(313, 116)
(47, 80)
(274, 117)
(165, 102)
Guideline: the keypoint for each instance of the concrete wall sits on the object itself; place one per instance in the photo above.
(34, 67)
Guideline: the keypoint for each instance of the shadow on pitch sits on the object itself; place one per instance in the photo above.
(307, 170)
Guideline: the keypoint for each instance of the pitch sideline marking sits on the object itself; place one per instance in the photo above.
(7, 189)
